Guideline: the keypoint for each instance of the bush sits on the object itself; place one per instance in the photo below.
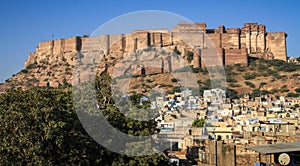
(262, 67)
(250, 84)
(262, 84)
(196, 70)
(177, 51)
(232, 94)
(234, 85)
(276, 75)
(30, 66)
(288, 67)
(265, 92)
(230, 79)
(176, 89)
(284, 90)
(276, 62)
(174, 80)
(255, 93)
(274, 91)
(293, 95)
(198, 123)
(25, 71)
(297, 90)
(190, 56)
(250, 76)
(239, 68)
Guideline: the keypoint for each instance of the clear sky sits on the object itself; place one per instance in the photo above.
(25, 23)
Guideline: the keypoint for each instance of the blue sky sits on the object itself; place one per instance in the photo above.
(25, 23)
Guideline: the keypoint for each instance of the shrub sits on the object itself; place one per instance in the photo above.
(262, 67)
(250, 84)
(276, 75)
(262, 84)
(177, 51)
(174, 80)
(274, 91)
(250, 76)
(276, 62)
(255, 93)
(232, 94)
(265, 92)
(177, 89)
(284, 90)
(239, 68)
(30, 66)
(198, 123)
(293, 95)
(25, 71)
(190, 56)
(297, 90)
(234, 85)
(230, 79)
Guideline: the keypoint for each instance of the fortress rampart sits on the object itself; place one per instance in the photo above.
(233, 45)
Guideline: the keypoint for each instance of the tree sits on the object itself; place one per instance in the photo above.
(198, 123)
(255, 93)
(41, 127)
(232, 94)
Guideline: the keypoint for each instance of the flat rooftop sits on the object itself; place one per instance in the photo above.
(276, 148)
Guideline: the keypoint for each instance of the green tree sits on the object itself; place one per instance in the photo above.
(232, 94)
(41, 127)
(255, 93)
(198, 123)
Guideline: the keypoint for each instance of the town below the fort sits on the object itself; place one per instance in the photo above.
(236, 132)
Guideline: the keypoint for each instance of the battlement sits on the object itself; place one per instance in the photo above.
(254, 27)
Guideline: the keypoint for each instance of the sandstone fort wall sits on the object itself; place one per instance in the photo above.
(233, 45)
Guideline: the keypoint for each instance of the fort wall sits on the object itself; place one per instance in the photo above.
(232, 45)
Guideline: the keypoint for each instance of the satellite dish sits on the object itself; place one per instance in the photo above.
(284, 159)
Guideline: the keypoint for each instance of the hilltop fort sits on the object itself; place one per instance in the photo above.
(233, 45)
